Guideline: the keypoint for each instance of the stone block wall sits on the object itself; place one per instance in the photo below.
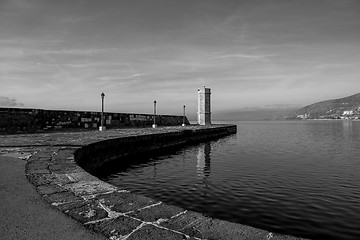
(23, 120)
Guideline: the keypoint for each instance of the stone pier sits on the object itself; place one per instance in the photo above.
(53, 168)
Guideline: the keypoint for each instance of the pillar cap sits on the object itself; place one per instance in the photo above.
(204, 90)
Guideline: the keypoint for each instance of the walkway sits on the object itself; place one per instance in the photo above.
(25, 215)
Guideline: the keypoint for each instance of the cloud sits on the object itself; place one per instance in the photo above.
(246, 56)
(249, 52)
(326, 66)
(9, 102)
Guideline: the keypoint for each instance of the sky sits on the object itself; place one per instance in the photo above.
(253, 54)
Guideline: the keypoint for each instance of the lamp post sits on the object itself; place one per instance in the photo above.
(183, 124)
(102, 127)
(154, 125)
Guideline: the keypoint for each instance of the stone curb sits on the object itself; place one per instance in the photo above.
(117, 213)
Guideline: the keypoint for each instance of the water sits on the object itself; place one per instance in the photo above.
(294, 177)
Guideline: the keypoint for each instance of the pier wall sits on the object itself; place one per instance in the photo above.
(23, 120)
(98, 154)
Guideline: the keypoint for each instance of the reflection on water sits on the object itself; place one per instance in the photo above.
(203, 160)
(347, 127)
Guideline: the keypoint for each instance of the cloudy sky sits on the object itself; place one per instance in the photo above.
(252, 53)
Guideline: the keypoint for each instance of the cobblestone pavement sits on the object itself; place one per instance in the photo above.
(111, 211)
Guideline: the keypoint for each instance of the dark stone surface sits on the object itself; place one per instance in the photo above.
(116, 228)
(62, 197)
(38, 171)
(151, 232)
(48, 189)
(38, 179)
(158, 212)
(90, 211)
(187, 223)
(38, 165)
(66, 207)
(43, 154)
(62, 167)
(123, 202)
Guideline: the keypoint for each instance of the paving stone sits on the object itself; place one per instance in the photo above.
(37, 165)
(116, 228)
(38, 179)
(124, 202)
(45, 154)
(161, 211)
(64, 156)
(35, 159)
(151, 232)
(49, 189)
(90, 187)
(90, 211)
(80, 175)
(62, 197)
(187, 223)
(218, 229)
(38, 171)
(64, 152)
(62, 167)
(196, 225)
(60, 178)
(68, 206)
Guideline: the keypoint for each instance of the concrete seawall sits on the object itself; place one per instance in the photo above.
(23, 120)
(111, 211)
(95, 155)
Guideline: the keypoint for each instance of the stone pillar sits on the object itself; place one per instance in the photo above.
(204, 112)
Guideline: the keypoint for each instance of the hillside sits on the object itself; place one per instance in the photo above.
(253, 115)
(343, 108)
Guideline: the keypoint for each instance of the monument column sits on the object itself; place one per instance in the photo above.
(204, 111)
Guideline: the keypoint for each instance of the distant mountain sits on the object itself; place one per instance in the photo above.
(343, 108)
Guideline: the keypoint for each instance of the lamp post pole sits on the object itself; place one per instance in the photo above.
(102, 127)
(183, 124)
(154, 125)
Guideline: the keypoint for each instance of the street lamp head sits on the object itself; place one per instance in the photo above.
(155, 102)
(102, 95)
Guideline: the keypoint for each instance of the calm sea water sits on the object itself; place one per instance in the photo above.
(295, 177)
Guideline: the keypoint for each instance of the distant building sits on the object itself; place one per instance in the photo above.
(348, 113)
(303, 116)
